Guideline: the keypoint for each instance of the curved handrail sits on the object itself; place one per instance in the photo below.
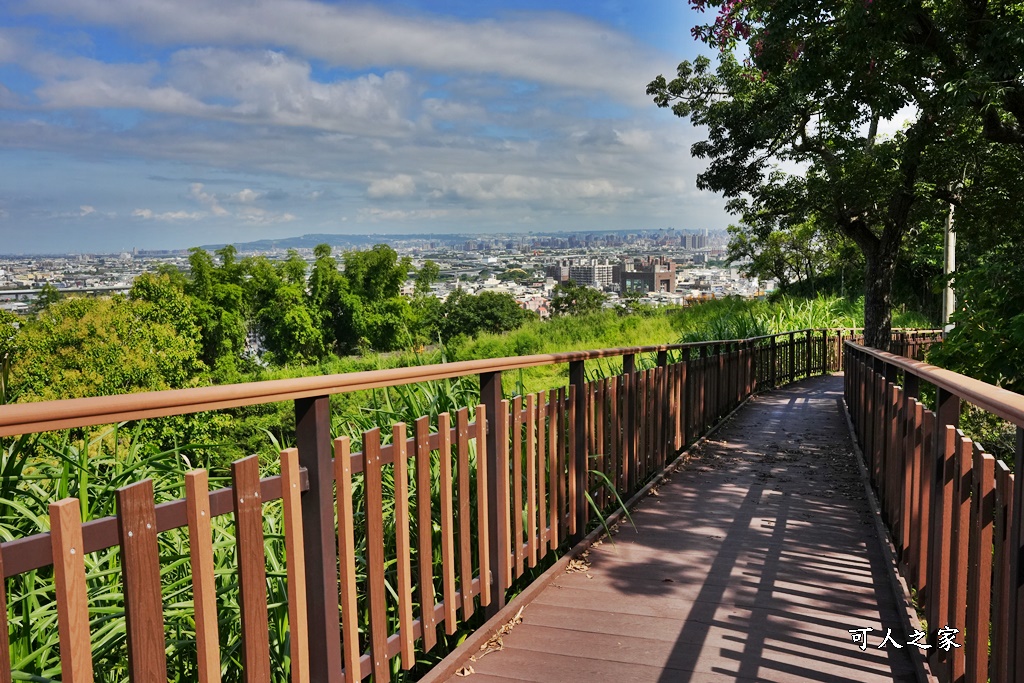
(1006, 404)
(28, 418)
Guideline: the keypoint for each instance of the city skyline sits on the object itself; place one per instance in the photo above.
(160, 123)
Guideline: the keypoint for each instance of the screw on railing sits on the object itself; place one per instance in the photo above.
(313, 439)
(490, 398)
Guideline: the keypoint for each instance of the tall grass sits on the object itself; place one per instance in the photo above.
(734, 318)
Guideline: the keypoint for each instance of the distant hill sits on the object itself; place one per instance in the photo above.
(310, 241)
(350, 241)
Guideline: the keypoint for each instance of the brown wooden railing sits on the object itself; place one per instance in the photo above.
(952, 509)
(513, 484)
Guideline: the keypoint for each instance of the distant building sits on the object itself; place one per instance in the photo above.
(655, 274)
(583, 271)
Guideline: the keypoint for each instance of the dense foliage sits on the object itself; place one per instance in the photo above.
(797, 105)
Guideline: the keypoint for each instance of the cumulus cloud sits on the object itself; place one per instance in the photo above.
(398, 186)
(246, 196)
(265, 87)
(543, 47)
(207, 199)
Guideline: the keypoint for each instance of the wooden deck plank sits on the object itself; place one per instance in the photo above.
(752, 563)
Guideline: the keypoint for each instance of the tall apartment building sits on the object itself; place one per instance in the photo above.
(583, 271)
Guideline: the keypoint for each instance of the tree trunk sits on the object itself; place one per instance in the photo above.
(878, 299)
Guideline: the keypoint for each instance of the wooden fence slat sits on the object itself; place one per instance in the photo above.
(5, 649)
(542, 487)
(600, 459)
(563, 440)
(942, 528)
(375, 590)
(298, 634)
(553, 478)
(573, 495)
(140, 571)
(504, 523)
(517, 483)
(1001, 647)
(447, 523)
(643, 450)
(70, 590)
(252, 569)
(403, 551)
(923, 450)
(482, 519)
(614, 430)
(961, 521)
(347, 555)
(424, 530)
(909, 436)
(465, 514)
(624, 433)
(979, 581)
(531, 479)
(204, 588)
(658, 417)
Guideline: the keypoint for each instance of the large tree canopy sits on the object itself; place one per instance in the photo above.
(794, 106)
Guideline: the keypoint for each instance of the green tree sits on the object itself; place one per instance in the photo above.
(427, 275)
(95, 347)
(48, 295)
(219, 307)
(9, 326)
(811, 86)
(570, 298)
(376, 274)
(374, 313)
(468, 314)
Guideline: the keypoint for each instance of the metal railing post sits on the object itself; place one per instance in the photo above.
(313, 440)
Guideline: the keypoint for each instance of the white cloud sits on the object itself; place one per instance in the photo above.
(149, 214)
(398, 186)
(553, 48)
(86, 210)
(376, 214)
(246, 196)
(252, 214)
(197, 192)
(511, 187)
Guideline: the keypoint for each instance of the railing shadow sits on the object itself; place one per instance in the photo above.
(769, 550)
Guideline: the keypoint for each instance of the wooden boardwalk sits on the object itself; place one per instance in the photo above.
(751, 564)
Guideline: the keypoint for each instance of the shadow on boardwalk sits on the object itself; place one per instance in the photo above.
(751, 564)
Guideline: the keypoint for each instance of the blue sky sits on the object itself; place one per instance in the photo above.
(171, 123)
